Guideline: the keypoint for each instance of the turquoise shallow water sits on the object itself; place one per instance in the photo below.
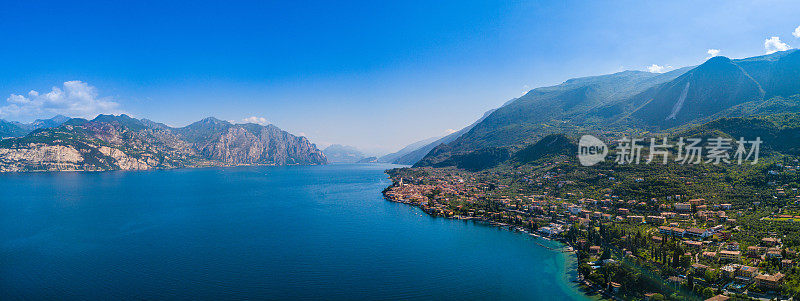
(299, 232)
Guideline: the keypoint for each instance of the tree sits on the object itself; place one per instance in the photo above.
(676, 257)
(708, 293)
(606, 254)
(584, 269)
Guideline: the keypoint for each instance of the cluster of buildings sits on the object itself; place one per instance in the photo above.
(702, 227)
(744, 275)
(690, 232)
(682, 221)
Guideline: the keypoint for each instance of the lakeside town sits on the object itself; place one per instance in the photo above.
(673, 247)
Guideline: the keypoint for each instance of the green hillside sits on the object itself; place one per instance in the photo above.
(636, 102)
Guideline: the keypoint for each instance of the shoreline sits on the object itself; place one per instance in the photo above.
(585, 288)
(152, 169)
(569, 248)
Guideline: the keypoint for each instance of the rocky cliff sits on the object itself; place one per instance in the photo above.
(123, 143)
(238, 144)
(255, 144)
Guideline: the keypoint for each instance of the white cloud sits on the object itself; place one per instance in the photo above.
(256, 120)
(74, 99)
(774, 44)
(449, 131)
(712, 53)
(525, 89)
(659, 69)
(796, 32)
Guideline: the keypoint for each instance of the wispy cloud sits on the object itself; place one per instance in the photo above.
(774, 44)
(712, 53)
(659, 69)
(256, 120)
(525, 89)
(796, 32)
(449, 131)
(73, 98)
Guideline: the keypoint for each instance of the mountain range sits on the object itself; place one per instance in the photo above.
(121, 142)
(631, 102)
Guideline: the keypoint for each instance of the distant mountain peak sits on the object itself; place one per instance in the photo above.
(112, 118)
(213, 120)
(717, 84)
(717, 60)
(57, 118)
(122, 120)
(48, 123)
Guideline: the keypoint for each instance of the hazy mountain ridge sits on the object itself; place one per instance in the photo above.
(372, 159)
(111, 142)
(393, 157)
(11, 129)
(415, 156)
(337, 153)
(413, 153)
(18, 129)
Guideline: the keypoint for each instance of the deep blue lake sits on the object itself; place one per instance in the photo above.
(299, 232)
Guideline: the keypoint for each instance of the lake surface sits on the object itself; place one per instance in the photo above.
(299, 232)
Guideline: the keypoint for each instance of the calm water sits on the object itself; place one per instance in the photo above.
(319, 232)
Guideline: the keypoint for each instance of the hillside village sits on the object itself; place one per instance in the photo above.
(677, 245)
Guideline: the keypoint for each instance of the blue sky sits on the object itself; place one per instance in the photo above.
(371, 74)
